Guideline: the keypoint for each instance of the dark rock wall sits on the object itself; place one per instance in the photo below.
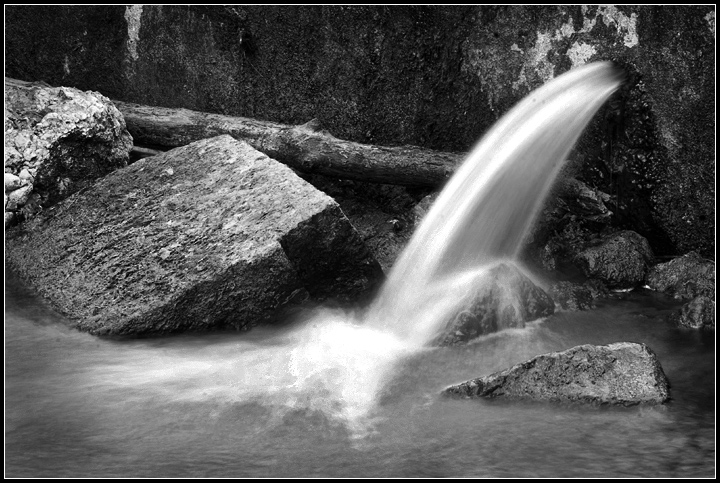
(432, 76)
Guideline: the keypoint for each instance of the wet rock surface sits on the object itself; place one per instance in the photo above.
(579, 199)
(504, 299)
(620, 260)
(622, 373)
(575, 296)
(573, 215)
(684, 277)
(382, 214)
(211, 235)
(57, 141)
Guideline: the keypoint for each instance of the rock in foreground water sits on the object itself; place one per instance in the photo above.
(504, 299)
(214, 234)
(623, 373)
(57, 141)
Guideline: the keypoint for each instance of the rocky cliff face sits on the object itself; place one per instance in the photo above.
(432, 76)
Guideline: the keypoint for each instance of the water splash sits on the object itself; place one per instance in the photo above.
(481, 218)
(487, 208)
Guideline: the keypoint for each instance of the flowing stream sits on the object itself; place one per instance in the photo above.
(344, 394)
(231, 405)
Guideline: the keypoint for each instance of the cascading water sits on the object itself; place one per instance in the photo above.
(487, 208)
(481, 217)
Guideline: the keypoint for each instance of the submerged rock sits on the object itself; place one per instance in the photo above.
(571, 296)
(575, 296)
(699, 313)
(211, 235)
(620, 260)
(505, 298)
(57, 141)
(623, 373)
(685, 277)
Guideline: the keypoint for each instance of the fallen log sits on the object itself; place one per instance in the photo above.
(306, 148)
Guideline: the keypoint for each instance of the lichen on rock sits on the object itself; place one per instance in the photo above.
(57, 141)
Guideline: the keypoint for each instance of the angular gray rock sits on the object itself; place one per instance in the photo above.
(684, 277)
(211, 235)
(57, 141)
(620, 260)
(623, 373)
(506, 298)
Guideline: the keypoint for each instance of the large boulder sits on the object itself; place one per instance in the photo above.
(57, 141)
(684, 277)
(620, 260)
(210, 235)
(504, 298)
(623, 373)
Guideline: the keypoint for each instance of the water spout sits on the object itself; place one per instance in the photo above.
(487, 208)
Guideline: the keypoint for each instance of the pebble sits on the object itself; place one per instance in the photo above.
(12, 182)
(25, 174)
(20, 196)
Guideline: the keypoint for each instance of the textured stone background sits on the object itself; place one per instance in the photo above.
(431, 76)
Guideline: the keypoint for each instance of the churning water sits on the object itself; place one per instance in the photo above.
(253, 405)
(358, 394)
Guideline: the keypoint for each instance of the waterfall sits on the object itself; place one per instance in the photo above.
(487, 208)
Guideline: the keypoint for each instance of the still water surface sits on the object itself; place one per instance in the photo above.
(236, 404)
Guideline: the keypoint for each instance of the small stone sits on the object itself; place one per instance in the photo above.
(21, 140)
(20, 196)
(9, 217)
(12, 182)
(11, 155)
(25, 175)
